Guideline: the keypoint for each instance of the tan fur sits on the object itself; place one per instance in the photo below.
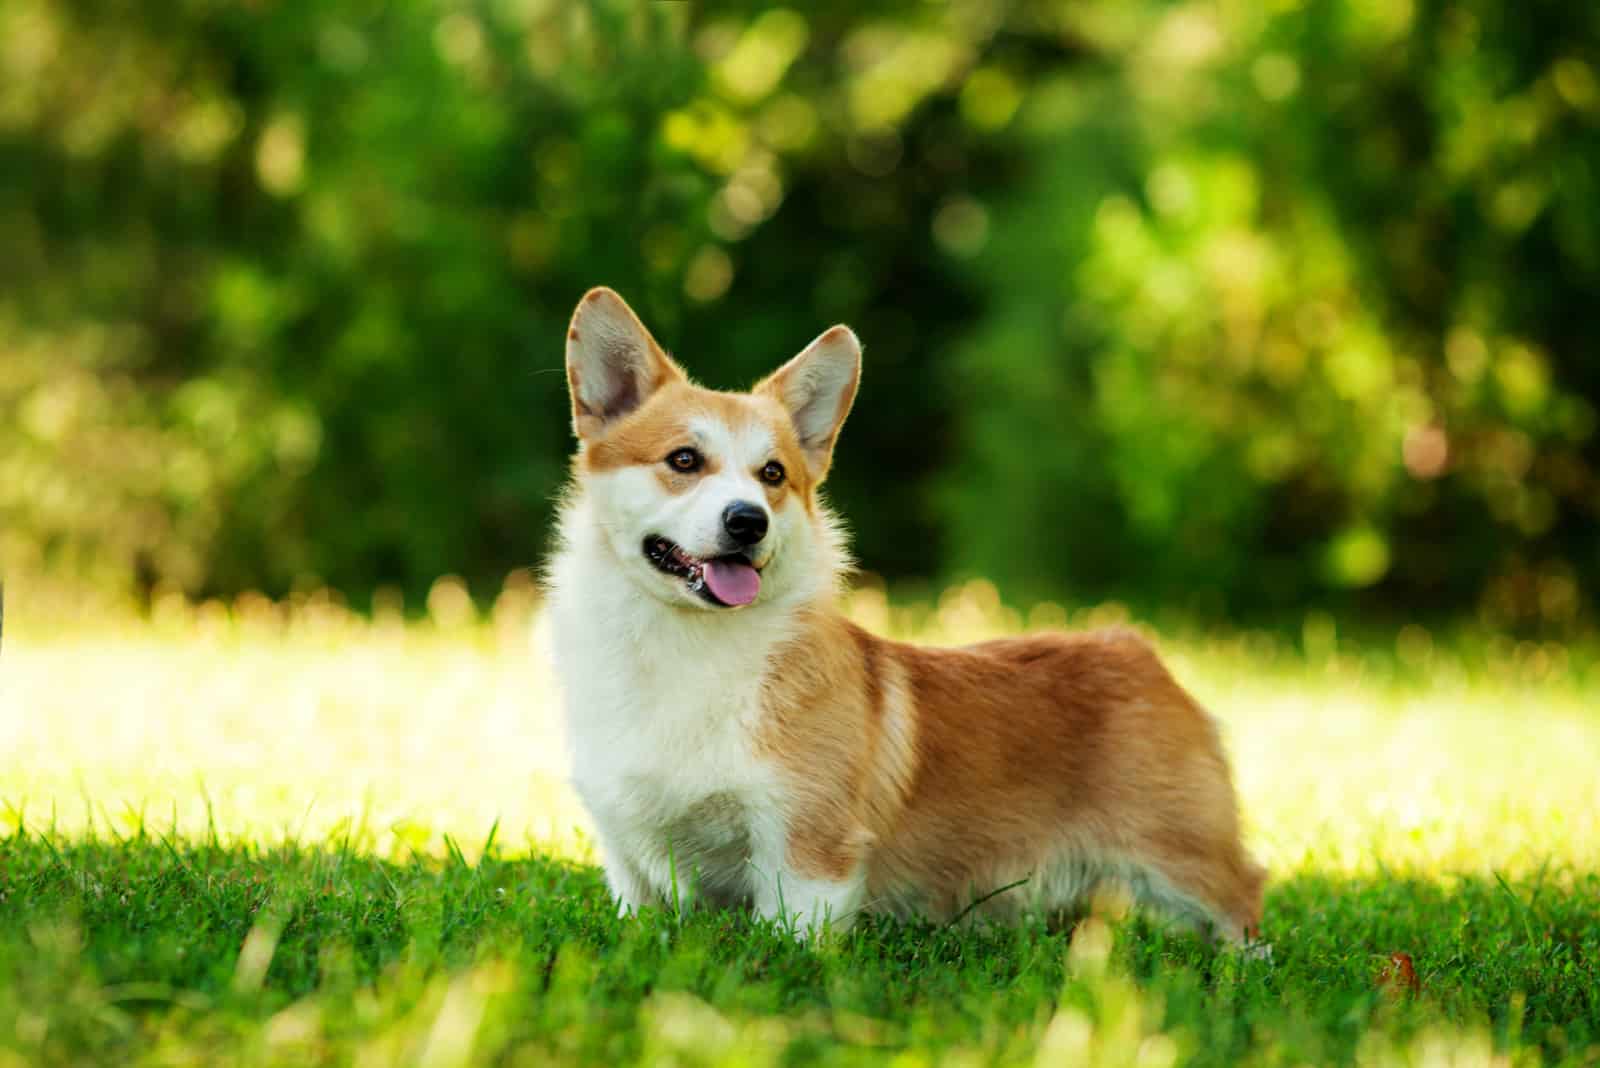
(1011, 753)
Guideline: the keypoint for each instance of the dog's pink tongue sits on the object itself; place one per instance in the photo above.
(732, 581)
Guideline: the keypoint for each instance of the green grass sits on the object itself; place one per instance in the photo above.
(287, 836)
(113, 951)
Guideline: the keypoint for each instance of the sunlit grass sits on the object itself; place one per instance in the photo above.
(304, 721)
(256, 833)
(300, 723)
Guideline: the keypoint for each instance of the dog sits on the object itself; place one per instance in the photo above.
(738, 741)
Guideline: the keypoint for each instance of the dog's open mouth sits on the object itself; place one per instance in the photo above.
(727, 581)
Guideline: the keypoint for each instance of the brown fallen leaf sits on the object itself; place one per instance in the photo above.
(1398, 979)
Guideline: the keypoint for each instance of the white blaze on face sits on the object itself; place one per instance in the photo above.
(737, 454)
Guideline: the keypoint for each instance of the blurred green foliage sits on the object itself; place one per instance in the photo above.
(1236, 306)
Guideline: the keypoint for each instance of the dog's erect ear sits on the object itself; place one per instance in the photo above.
(818, 386)
(613, 364)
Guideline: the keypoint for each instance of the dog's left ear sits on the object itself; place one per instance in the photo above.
(817, 387)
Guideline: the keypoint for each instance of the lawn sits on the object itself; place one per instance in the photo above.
(284, 834)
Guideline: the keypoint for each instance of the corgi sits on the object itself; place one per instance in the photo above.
(738, 741)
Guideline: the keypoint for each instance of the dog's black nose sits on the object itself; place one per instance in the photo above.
(745, 523)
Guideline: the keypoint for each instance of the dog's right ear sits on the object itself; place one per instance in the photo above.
(613, 364)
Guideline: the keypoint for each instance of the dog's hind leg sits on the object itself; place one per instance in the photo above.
(1210, 883)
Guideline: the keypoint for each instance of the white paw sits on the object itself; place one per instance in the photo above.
(811, 932)
(1261, 951)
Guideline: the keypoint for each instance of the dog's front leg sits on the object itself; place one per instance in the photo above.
(629, 887)
(806, 890)
(807, 907)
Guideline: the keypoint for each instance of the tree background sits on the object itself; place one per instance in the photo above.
(1239, 307)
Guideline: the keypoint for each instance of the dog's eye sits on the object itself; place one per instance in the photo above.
(684, 460)
(772, 473)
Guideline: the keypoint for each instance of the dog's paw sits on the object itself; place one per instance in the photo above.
(1261, 951)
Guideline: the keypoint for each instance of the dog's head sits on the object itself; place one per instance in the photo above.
(708, 499)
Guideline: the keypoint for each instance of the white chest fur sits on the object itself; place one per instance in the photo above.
(662, 706)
